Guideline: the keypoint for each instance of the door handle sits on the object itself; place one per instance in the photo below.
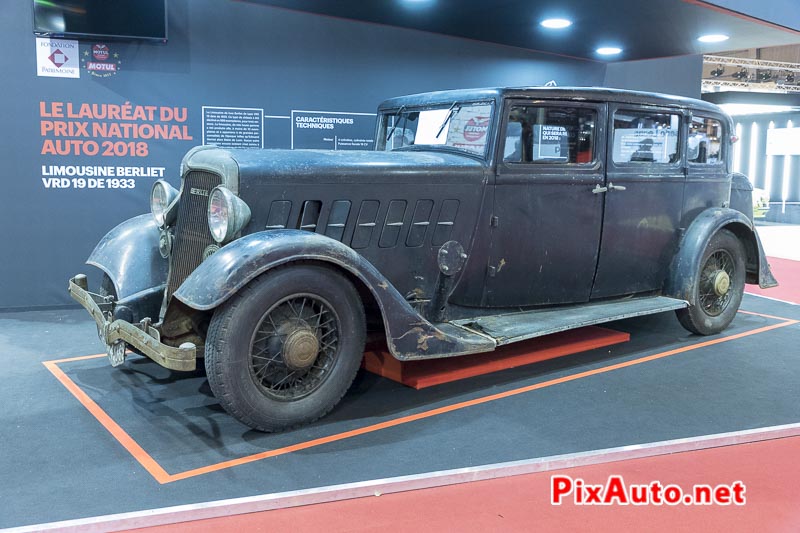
(613, 187)
(598, 189)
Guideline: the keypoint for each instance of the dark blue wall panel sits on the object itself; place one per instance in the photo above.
(671, 75)
(220, 53)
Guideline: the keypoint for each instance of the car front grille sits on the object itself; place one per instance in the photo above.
(192, 235)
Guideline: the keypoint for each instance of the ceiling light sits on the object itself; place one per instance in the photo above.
(713, 38)
(741, 75)
(608, 50)
(556, 24)
(418, 3)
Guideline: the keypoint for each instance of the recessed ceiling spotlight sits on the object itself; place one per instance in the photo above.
(556, 24)
(713, 38)
(608, 50)
(418, 3)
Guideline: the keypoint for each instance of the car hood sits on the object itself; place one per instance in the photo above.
(350, 166)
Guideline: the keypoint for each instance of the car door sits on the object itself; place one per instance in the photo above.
(547, 219)
(645, 181)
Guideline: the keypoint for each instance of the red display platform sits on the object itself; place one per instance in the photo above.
(421, 374)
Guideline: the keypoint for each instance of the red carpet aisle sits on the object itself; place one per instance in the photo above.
(787, 272)
(768, 469)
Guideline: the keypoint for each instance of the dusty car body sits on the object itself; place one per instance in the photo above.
(482, 217)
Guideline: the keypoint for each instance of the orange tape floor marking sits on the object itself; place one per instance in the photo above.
(161, 475)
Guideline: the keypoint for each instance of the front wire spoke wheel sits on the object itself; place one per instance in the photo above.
(284, 349)
(294, 347)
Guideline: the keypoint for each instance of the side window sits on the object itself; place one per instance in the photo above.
(704, 144)
(550, 135)
(646, 137)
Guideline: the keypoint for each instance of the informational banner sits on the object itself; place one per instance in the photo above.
(332, 130)
(550, 143)
(58, 58)
(783, 141)
(645, 144)
(104, 145)
(233, 127)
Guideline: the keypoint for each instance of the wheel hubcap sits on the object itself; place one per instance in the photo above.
(722, 283)
(715, 283)
(300, 349)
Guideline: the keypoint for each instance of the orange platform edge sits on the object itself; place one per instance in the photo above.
(426, 373)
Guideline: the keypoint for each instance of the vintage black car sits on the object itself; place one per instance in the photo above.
(482, 217)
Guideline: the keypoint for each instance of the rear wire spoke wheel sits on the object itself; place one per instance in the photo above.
(718, 287)
(715, 282)
(284, 350)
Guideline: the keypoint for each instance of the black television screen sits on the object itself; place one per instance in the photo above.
(101, 19)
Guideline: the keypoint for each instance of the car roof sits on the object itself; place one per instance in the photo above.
(601, 94)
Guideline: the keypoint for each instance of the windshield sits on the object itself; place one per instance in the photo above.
(463, 126)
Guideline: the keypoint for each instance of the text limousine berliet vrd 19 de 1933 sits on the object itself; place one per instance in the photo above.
(481, 218)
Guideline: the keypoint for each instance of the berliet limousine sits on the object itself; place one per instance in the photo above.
(482, 217)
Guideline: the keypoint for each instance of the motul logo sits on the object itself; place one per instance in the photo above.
(100, 52)
(111, 67)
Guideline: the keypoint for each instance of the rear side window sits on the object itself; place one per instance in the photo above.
(550, 135)
(646, 137)
(704, 144)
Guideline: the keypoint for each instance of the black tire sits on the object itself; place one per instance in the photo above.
(712, 312)
(249, 355)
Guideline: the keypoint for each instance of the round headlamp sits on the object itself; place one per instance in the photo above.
(163, 203)
(227, 214)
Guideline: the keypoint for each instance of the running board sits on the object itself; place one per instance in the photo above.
(515, 327)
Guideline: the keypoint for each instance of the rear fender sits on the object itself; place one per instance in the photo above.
(408, 335)
(686, 263)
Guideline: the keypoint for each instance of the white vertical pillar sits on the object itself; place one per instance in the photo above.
(753, 166)
(768, 169)
(737, 150)
(787, 174)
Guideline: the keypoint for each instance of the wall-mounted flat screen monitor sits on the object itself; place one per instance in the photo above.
(101, 19)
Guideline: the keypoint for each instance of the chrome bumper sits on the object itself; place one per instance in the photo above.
(118, 333)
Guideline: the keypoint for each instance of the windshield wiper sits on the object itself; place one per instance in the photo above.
(450, 112)
(396, 122)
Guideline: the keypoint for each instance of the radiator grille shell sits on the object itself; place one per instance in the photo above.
(192, 235)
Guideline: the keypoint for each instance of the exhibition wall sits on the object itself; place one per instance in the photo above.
(232, 73)
(768, 152)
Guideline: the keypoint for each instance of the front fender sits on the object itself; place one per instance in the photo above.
(686, 263)
(129, 255)
(409, 335)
